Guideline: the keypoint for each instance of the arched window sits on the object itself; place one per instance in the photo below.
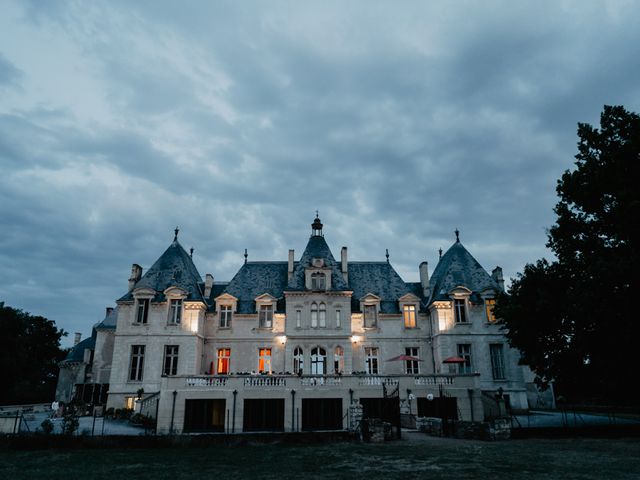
(298, 361)
(318, 361)
(322, 318)
(338, 360)
(314, 315)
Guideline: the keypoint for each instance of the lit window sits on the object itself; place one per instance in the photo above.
(298, 361)
(175, 311)
(224, 356)
(338, 360)
(314, 315)
(318, 281)
(143, 310)
(298, 318)
(136, 366)
(266, 316)
(225, 316)
(370, 316)
(489, 306)
(130, 402)
(338, 319)
(497, 361)
(460, 310)
(371, 360)
(409, 314)
(464, 352)
(412, 367)
(322, 317)
(170, 360)
(318, 361)
(264, 360)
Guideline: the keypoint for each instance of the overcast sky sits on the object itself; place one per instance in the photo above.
(398, 121)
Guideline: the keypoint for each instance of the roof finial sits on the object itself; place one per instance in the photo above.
(246, 255)
(457, 236)
(317, 214)
(316, 226)
(387, 254)
(439, 253)
(175, 238)
(191, 252)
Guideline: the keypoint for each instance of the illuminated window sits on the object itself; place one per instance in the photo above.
(489, 306)
(129, 402)
(338, 319)
(338, 360)
(412, 367)
(318, 281)
(322, 316)
(370, 316)
(136, 366)
(298, 318)
(266, 316)
(170, 366)
(459, 310)
(225, 316)
(318, 361)
(175, 311)
(464, 352)
(264, 360)
(224, 357)
(298, 361)
(143, 310)
(371, 360)
(314, 315)
(497, 361)
(409, 314)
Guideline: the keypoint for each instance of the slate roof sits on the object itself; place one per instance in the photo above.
(76, 354)
(254, 279)
(317, 248)
(381, 279)
(456, 268)
(174, 268)
(109, 322)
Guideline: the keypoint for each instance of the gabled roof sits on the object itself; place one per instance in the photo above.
(456, 268)
(174, 268)
(256, 278)
(378, 278)
(317, 248)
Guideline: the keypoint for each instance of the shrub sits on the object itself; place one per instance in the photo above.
(47, 426)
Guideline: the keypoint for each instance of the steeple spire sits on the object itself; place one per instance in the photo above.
(316, 227)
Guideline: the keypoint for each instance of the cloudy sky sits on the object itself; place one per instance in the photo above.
(237, 120)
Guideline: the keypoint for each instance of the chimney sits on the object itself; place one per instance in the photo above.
(208, 285)
(108, 312)
(290, 266)
(345, 270)
(76, 338)
(136, 274)
(496, 274)
(424, 278)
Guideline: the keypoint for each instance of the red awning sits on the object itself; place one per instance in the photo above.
(454, 360)
(404, 357)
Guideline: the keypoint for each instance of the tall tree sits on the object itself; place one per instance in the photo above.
(574, 319)
(29, 357)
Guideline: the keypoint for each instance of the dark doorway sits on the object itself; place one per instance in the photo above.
(204, 415)
(262, 415)
(439, 407)
(322, 414)
(386, 409)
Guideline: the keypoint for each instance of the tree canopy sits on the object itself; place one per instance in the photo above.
(573, 318)
(29, 357)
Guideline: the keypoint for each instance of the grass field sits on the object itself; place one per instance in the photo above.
(425, 459)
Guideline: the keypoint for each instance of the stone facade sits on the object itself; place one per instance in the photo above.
(293, 345)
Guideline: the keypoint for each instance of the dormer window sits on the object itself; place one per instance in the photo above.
(142, 312)
(226, 311)
(460, 310)
(370, 316)
(266, 316)
(489, 306)
(409, 315)
(175, 311)
(318, 281)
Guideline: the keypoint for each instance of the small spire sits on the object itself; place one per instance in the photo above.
(457, 236)
(175, 238)
(387, 254)
(191, 252)
(440, 253)
(246, 255)
(316, 226)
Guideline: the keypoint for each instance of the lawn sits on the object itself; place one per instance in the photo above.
(436, 458)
